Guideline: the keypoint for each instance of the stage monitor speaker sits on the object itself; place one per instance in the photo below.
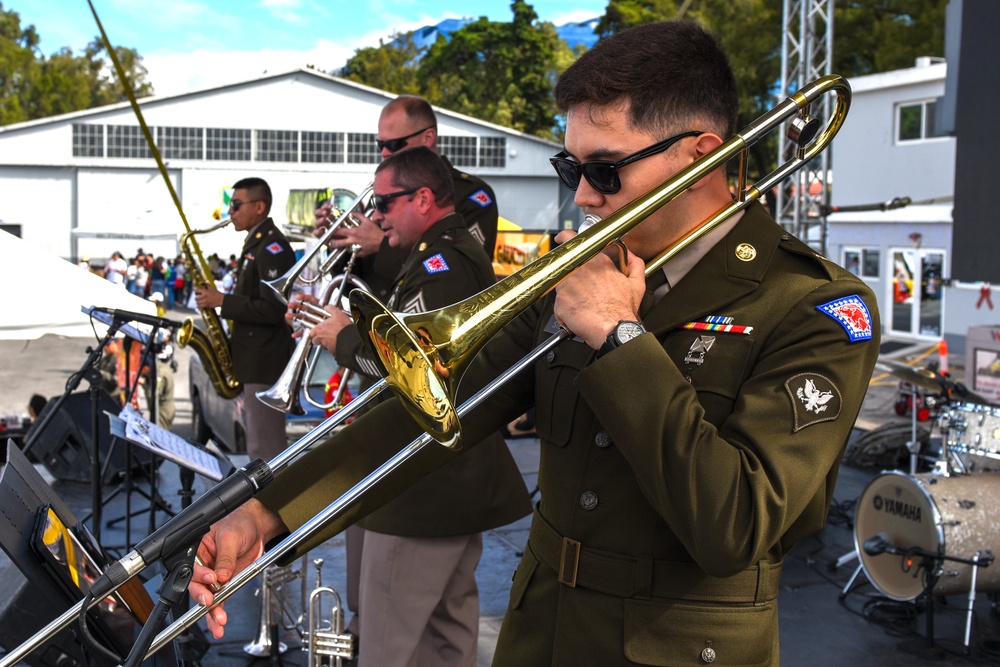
(65, 445)
(23, 610)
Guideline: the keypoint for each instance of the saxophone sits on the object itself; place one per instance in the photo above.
(211, 345)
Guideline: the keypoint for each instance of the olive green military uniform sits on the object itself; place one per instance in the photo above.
(421, 550)
(261, 341)
(676, 471)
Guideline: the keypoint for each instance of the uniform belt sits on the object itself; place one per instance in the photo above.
(642, 577)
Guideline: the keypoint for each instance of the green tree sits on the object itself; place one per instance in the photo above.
(33, 86)
(872, 36)
(499, 72)
(392, 67)
(19, 69)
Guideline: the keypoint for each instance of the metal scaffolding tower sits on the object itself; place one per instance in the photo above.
(806, 55)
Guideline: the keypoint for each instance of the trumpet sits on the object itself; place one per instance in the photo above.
(327, 637)
(298, 373)
(461, 329)
(284, 285)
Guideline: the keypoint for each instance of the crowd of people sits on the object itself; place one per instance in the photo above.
(146, 275)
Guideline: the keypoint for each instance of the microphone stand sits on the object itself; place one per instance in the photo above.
(93, 376)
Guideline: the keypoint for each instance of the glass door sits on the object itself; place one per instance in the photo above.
(916, 292)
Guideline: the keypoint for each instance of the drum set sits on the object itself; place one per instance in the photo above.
(919, 535)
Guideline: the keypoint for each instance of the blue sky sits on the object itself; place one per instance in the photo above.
(191, 44)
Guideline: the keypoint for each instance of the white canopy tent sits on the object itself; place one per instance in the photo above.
(44, 294)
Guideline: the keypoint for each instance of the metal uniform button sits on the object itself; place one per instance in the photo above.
(708, 655)
(602, 439)
(588, 500)
(550, 357)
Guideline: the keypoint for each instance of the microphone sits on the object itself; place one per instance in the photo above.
(187, 527)
(130, 316)
(879, 544)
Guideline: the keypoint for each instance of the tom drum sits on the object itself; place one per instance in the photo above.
(954, 516)
(974, 436)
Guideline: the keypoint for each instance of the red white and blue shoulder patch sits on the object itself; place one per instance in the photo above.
(481, 197)
(852, 314)
(436, 264)
(275, 248)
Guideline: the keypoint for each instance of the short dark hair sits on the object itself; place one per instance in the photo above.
(258, 188)
(672, 75)
(418, 110)
(420, 167)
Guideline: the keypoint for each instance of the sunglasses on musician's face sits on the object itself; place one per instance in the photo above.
(381, 202)
(603, 174)
(393, 145)
(234, 204)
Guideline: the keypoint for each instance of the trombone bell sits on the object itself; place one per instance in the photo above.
(420, 372)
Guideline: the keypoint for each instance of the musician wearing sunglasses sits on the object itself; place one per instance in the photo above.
(421, 551)
(691, 431)
(407, 122)
(260, 342)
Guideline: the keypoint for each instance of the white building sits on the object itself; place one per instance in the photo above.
(86, 184)
(887, 149)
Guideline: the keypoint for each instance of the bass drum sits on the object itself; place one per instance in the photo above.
(953, 516)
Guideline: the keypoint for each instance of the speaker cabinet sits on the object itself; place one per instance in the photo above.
(64, 446)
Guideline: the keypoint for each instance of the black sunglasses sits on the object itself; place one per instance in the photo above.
(381, 202)
(394, 145)
(236, 203)
(602, 174)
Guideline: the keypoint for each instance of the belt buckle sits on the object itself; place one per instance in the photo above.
(570, 557)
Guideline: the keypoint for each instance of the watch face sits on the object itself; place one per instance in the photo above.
(626, 331)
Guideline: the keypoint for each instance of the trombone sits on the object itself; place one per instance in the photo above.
(470, 323)
(284, 285)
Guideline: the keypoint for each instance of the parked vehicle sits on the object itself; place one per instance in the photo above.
(223, 420)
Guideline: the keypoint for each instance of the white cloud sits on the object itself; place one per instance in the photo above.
(181, 73)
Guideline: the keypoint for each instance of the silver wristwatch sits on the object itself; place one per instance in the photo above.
(623, 332)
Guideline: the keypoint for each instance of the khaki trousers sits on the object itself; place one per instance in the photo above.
(419, 603)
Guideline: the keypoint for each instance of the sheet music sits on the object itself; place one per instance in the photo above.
(169, 445)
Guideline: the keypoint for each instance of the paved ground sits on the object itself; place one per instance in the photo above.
(819, 624)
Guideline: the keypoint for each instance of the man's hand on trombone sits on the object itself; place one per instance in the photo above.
(231, 545)
(593, 299)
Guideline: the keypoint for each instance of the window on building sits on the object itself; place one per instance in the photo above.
(227, 144)
(127, 141)
(493, 152)
(362, 149)
(277, 146)
(915, 121)
(460, 151)
(181, 143)
(871, 263)
(88, 140)
(862, 262)
(322, 147)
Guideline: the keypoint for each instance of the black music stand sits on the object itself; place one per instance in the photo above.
(120, 320)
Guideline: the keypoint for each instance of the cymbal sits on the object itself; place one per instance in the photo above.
(930, 380)
(918, 377)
